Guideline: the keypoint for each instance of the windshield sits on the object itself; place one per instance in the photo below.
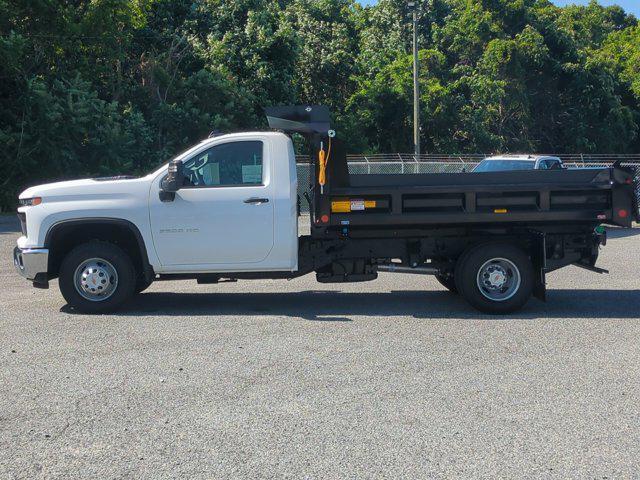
(176, 157)
(502, 165)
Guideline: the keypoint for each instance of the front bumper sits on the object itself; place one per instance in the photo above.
(32, 264)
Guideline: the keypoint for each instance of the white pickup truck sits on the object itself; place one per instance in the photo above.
(236, 214)
(227, 209)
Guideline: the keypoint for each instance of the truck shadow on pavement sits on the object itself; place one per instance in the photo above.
(622, 232)
(335, 306)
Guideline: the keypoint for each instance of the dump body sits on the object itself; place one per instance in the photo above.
(341, 201)
(604, 195)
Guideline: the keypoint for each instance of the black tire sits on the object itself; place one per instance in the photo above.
(123, 288)
(448, 282)
(514, 267)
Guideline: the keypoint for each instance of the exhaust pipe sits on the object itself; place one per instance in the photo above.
(393, 268)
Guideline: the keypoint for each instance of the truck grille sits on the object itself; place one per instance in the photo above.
(23, 222)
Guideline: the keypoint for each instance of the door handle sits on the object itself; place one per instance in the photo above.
(256, 200)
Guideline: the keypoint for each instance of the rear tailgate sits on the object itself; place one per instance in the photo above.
(624, 201)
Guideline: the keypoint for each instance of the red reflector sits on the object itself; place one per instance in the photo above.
(622, 213)
(629, 181)
(324, 218)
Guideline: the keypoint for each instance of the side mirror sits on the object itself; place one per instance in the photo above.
(172, 182)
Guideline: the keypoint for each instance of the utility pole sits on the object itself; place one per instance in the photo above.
(416, 86)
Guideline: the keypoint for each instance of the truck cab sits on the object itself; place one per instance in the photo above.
(235, 212)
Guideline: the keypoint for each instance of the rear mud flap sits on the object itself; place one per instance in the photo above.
(539, 260)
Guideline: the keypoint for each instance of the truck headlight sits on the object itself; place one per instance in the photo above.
(30, 202)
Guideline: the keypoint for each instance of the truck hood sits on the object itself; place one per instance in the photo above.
(88, 187)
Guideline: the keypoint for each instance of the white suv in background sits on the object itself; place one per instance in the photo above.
(501, 163)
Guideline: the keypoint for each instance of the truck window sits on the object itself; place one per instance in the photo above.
(494, 165)
(554, 165)
(233, 163)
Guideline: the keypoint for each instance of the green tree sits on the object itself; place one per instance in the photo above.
(327, 46)
(621, 53)
(250, 41)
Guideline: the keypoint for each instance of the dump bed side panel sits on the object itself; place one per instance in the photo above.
(585, 195)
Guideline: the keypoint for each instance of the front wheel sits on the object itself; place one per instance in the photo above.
(97, 277)
(495, 278)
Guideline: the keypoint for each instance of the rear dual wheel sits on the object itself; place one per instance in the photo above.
(495, 278)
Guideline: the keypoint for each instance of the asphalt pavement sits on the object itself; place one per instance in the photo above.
(395, 378)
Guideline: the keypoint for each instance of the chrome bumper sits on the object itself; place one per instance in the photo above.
(32, 263)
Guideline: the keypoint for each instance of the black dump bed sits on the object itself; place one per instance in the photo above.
(605, 195)
(595, 195)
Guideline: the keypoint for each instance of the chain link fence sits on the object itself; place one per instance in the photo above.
(402, 163)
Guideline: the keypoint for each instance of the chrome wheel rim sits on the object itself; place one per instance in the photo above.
(95, 279)
(498, 279)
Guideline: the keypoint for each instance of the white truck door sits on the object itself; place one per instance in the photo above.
(224, 215)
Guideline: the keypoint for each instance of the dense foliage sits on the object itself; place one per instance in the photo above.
(103, 86)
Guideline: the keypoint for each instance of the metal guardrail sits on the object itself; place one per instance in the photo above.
(402, 163)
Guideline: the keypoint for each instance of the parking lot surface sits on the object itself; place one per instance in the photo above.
(394, 378)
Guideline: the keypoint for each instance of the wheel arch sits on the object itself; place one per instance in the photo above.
(67, 234)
